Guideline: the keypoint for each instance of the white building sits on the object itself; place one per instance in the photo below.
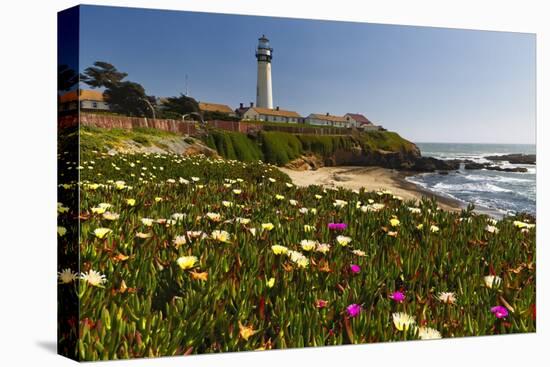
(264, 97)
(328, 120)
(271, 115)
(88, 100)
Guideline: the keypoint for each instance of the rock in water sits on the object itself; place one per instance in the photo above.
(514, 158)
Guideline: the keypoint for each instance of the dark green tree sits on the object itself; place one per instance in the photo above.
(102, 74)
(128, 98)
(124, 96)
(66, 78)
(180, 105)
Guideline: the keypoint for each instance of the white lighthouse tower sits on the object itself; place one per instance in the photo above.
(264, 98)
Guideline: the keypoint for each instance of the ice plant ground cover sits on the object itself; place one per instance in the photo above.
(185, 255)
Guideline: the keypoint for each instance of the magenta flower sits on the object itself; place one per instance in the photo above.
(337, 226)
(353, 310)
(499, 312)
(355, 268)
(398, 296)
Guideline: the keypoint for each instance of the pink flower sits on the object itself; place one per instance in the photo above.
(499, 312)
(353, 310)
(337, 226)
(398, 296)
(321, 303)
(355, 268)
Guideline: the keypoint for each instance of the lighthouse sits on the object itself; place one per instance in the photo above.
(264, 98)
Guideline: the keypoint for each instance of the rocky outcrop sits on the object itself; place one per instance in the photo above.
(469, 165)
(401, 160)
(514, 158)
(305, 163)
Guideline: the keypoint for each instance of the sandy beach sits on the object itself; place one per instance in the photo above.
(370, 178)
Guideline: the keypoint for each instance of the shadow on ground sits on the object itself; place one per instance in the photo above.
(49, 346)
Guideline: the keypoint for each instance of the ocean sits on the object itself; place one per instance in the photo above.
(504, 193)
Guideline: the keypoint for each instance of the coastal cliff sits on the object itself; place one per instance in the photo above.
(385, 149)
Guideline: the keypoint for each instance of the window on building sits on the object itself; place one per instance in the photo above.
(94, 104)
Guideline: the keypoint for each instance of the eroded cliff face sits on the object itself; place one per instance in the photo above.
(406, 160)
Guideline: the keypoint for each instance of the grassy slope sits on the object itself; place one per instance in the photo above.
(270, 146)
(92, 138)
(280, 147)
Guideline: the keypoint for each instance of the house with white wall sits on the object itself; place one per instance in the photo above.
(271, 115)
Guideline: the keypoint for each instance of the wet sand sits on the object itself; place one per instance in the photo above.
(371, 179)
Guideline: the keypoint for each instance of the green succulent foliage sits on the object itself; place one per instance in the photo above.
(150, 307)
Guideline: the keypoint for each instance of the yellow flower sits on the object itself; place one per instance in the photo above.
(214, 217)
(420, 226)
(158, 199)
(270, 283)
(434, 229)
(323, 248)
(101, 232)
(279, 250)
(244, 221)
(179, 240)
(111, 216)
(147, 222)
(279, 197)
(221, 236)
(61, 231)
(120, 185)
(308, 245)
(143, 235)
(187, 262)
(308, 228)
(237, 191)
(98, 210)
(267, 226)
(302, 262)
(394, 222)
(343, 240)
(339, 203)
(61, 208)
(246, 332)
(522, 225)
(402, 321)
(131, 202)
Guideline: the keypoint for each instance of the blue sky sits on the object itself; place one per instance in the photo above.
(428, 84)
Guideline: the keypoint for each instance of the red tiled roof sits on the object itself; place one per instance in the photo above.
(359, 118)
